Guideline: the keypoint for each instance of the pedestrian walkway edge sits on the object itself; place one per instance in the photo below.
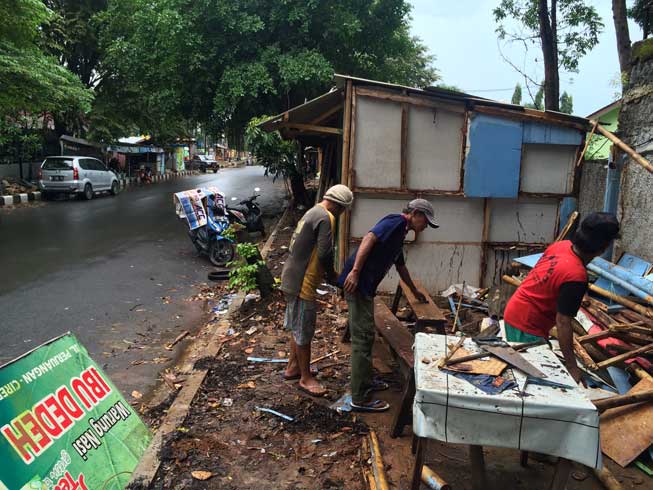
(149, 464)
(25, 197)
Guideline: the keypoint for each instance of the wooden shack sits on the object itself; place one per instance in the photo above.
(502, 178)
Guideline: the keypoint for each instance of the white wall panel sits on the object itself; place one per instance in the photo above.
(434, 149)
(525, 220)
(460, 219)
(437, 266)
(547, 168)
(377, 149)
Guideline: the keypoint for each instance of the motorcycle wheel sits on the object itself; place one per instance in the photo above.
(221, 252)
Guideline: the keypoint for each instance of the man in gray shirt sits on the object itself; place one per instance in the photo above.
(309, 261)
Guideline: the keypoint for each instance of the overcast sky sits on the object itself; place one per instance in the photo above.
(461, 35)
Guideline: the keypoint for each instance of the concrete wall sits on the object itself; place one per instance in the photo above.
(636, 128)
(592, 187)
(12, 170)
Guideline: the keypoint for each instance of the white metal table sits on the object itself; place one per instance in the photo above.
(530, 417)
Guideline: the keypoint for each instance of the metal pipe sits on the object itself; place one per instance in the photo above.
(634, 280)
(620, 282)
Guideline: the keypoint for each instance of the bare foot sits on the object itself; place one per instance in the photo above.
(312, 387)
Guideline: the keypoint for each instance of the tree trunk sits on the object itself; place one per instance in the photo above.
(548, 36)
(623, 38)
(300, 196)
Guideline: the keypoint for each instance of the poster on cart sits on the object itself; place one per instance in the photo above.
(63, 424)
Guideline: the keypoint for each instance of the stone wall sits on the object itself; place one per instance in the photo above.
(636, 129)
(592, 186)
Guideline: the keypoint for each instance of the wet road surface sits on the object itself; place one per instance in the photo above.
(116, 271)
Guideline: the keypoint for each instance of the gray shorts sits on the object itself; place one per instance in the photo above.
(300, 319)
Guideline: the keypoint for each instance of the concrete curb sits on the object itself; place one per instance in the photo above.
(23, 198)
(149, 464)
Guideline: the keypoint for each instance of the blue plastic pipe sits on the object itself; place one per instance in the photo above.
(638, 286)
(612, 188)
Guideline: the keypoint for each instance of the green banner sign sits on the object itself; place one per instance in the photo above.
(63, 424)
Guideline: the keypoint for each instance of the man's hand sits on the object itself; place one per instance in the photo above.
(419, 296)
(351, 282)
(577, 374)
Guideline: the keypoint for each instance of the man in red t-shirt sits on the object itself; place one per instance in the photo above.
(552, 292)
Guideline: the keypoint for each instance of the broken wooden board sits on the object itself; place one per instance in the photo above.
(394, 332)
(627, 431)
(514, 358)
(427, 312)
(487, 365)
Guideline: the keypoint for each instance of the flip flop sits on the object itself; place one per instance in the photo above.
(312, 393)
(373, 406)
(295, 377)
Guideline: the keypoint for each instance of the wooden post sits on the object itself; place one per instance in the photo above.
(561, 474)
(344, 178)
(478, 467)
(419, 463)
(623, 146)
(583, 355)
(570, 223)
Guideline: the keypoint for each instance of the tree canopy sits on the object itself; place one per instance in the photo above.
(179, 63)
(33, 81)
(564, 31)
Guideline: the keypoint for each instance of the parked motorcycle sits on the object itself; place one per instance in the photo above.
(205, 212)
(250, 216)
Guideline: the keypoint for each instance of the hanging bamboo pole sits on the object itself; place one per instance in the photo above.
(624, 147)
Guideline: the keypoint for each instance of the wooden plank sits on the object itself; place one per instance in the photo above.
(408, 99)
(423, 311)
(529, 116)
(628, 431)
(490, 366)
(394, 333)
(624, 357)
(313, 128)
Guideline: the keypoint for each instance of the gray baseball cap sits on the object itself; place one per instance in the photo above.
(425, 207)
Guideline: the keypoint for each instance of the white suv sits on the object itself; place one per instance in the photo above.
(83, 176)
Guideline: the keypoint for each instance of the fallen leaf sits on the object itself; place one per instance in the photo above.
(137, 394)
(249, 350)
(249, 384)
(201, 475)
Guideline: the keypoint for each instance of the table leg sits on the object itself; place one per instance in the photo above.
(478, 467)
(561, 475)
(404, 415)
(419, 463)
(523, 458)
(395, 301)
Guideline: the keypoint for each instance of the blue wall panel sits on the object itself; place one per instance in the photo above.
(492, 164)
(551, 135)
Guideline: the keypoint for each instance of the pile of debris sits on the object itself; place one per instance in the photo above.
(10, 185)
(613, 340)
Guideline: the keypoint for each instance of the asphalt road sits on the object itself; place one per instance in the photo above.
(116, 271)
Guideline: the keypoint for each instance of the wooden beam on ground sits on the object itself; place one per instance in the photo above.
(625, 356)
(425, 312)
(625, 148)
(621, 400)
(311, 128)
